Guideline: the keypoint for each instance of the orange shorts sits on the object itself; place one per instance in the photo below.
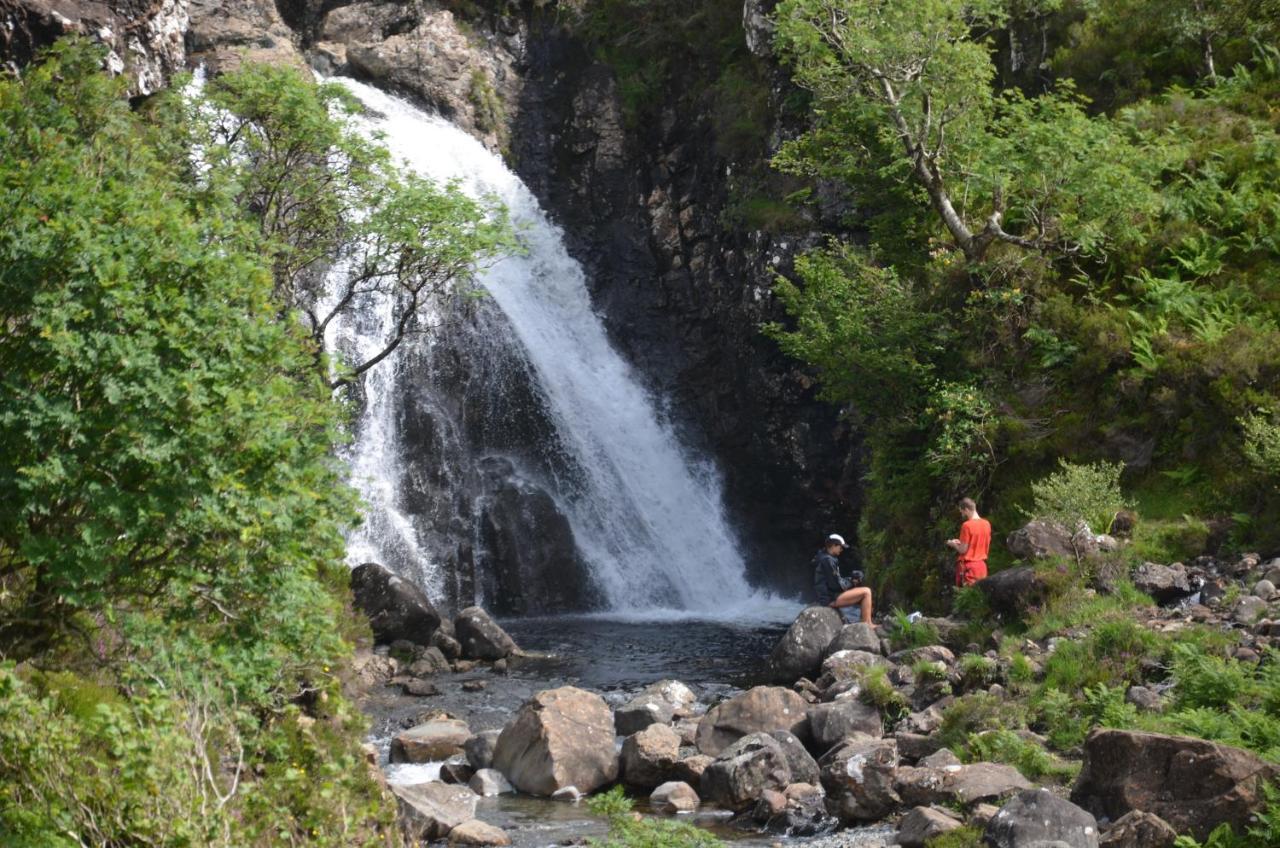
(968, 573)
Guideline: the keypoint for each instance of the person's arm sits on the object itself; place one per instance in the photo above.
(831, 573)
(966, 537)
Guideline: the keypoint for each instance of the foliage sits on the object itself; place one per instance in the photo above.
(962, 837)
(905, 633)
(627, 830)
(879, 692)
(1006, 746)
(1263, 833)
(977, 671)
(1080, 496)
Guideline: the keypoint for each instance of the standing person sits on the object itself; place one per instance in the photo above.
(972, 546)
(832, 589)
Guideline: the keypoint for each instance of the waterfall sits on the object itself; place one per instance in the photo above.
(647, 518)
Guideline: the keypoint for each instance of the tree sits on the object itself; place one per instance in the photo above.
(331, 204)
(995, 168)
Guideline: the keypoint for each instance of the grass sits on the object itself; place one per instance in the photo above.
(879, 692)
(1029, 758)
(905, 633)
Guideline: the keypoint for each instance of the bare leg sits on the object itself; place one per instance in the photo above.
(860, 595)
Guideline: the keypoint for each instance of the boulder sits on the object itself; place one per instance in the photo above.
(690, 769)
(1038, 817)
(832, 723)
(923, 786)
(428, 662)
(745, 769)
(476, 832)
(855, 637)
(429, 742)
(1014, 591)
(799, 811)
(1264, 589)
(648, 757)
(480, 636)
(846, 665)
(858, 778)
(1165, 583)
(1249, 609)
(446, 643)
(1139, 830)
(479, 749)
(803, 646)
(420, 688)
(923, 824)
(1040, 538)
(1192, 784)
(396, 608)
(804, 769)
(457, 771)
(431, 810)
(559, 737)
(928, 653)
(487, 782)
(674, 797)
(758, 710)
(657, 703)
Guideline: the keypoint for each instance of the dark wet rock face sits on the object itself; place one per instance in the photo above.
(396, 608)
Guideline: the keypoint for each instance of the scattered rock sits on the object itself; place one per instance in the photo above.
(802, 647)
(658, 703)
(674, 797)
(830, 724)
(479, 749)
(848, 665)
(434, 740)
(859, 779)
(942, 758)
(1249, 609)
(488, 782)
(431, 810)
(745, 769)
(915, 746)
(473, 686)
(1139, 830)
(420, 688)
(958, 784)
(476, 832)
(981, 814)
(456, 771)
(1192, 784)
(929, 654)
(480, 636)
(1145, 698)
(855, 637)
(759, 709)
(427, 662)
(1014, 591)
(445, 643)
(804, 769)
(1165, 583)
(923, 824)
(648, 757)
(1038, 817)
(560, 737)
(396, 608)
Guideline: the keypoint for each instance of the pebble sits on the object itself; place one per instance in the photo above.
(473, 686)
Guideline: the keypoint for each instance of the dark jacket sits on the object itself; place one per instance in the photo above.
(827, 582)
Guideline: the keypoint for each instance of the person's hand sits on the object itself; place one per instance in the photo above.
(954, 544)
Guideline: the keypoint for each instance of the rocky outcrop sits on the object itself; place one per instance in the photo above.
(758, 710)
(801, 649)
(1192, 784)
(396, 608)
(144, 38)
(481, 637)
(1040, 538)
(559, 738)
(1038, 817)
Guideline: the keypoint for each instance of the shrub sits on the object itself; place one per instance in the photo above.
(1006, 746)
(962, 837)
(879, 692)
(905, 633)
(1080, 495)
(976, 713)
(627, 830)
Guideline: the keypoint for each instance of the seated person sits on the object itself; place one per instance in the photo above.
(832, 589)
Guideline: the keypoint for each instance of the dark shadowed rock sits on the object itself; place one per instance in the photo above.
(858, 777)
(1014, 591)
(1139, 830)
(804, 769)
(1038, 817)
(396, 608)
(801, 649)
(758, 710)
(832, 723)
(479, 749)
(744, 770)
(559, 738)
(457, 771)
(481, 637)
(1165, 583)
(924, 823)
(1192, 784)
(430, 810)
(488, 782)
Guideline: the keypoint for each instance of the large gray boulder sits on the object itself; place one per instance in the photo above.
(1165, 583)
(1040, 538)
(1014, 591)
(953, 784)
(758, 710)
(481, 637)
(649, 757)
(657, 703)
(431, 741)
(801, 649)
(1037, 817)
(430, 810)
(1192, 784)
(744, 770)
(858, 778)
(832, 723)
(396, 608)
(804, 768)
(855, 637)
(559, 738)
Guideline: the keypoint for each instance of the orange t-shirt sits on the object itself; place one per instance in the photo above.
(976, 533)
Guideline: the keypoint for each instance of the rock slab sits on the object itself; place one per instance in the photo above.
(1038, 817)
(431, 810)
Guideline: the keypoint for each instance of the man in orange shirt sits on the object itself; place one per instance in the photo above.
(972, 546)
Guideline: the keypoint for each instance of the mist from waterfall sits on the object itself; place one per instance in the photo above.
(647, 518)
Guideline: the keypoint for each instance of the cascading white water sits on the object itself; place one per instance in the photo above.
(648, 520)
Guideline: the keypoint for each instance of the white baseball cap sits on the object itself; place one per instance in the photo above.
(838, 539)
